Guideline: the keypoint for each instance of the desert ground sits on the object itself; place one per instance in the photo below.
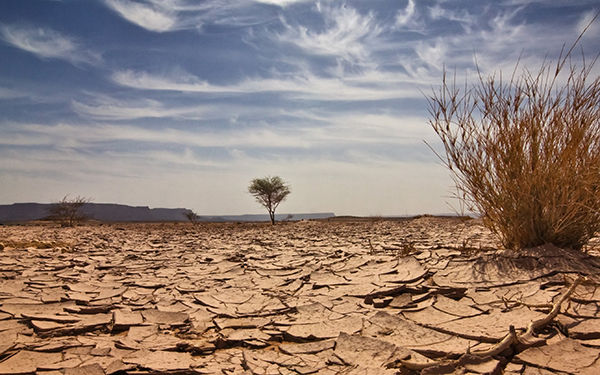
(373, 296)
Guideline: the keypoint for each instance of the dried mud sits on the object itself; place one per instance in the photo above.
(427, 295)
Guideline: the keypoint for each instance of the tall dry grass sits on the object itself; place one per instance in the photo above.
(526, 153)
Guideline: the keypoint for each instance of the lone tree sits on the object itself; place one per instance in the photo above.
(269, 191)
(68, 212)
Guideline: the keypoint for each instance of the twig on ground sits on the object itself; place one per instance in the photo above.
(512, 339)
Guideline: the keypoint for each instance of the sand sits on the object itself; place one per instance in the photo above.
(426, 295)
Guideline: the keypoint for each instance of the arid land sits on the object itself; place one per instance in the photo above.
(422, 295)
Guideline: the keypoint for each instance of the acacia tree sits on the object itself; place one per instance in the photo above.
(269, 192)
(68, 212)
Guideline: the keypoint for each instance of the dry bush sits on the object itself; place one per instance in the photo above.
(192, 216)
(526, 153)
(69, 212)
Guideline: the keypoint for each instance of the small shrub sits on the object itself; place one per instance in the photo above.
(526, 153)
(69, 212)
(192, 216)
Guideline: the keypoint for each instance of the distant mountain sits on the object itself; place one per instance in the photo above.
(123, 213)
(97, 211)
(23, 211)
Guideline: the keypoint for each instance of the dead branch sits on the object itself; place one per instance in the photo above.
(512, 339)
(528, 336)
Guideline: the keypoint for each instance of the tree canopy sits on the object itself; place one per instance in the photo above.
(269, 192)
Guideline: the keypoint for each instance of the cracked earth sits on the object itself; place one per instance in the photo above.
(426, 295)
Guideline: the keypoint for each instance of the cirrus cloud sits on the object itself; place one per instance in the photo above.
(46, 43)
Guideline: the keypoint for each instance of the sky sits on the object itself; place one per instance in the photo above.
(181, 103)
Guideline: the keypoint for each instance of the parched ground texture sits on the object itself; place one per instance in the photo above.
(425, 295)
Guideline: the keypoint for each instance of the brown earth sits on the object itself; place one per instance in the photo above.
(427, 295)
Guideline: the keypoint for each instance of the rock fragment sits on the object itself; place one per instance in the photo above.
(406, 334)
(325, 329)
(93, 369)
(307, 348)
(27, 362)
(367, 353)
(586, 330)
(123, 319)
(170, 318)
(161, 361)
(566, 355)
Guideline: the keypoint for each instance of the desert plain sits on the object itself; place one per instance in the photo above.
(427, 295)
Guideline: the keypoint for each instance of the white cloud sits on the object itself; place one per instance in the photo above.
(349, 129)
(74, 136)
(433, 54)
(103, 107)
(497, 41)
(347, 34)
(150, 15)
(146, 81)
(377, 128)
(171, 15)
(464, 17)
(405, 16)
(46, 43)
(302, 86)
(42, 42)
(281, 3)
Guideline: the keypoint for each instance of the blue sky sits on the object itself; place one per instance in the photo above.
(180, 103)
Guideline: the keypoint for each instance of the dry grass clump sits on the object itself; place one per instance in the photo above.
(526, 153)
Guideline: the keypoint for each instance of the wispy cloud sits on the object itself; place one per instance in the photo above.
(103, 107)
(305, 85)
(463, 17)
(46, 43)
(346, 129)
(281, 3)
(346, 34)
(495, 38)
(433, 53)
(152, 16)
(172, 15)
(81, 136)
(405, 16)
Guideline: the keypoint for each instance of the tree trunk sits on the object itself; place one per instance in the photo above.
(272, 216)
